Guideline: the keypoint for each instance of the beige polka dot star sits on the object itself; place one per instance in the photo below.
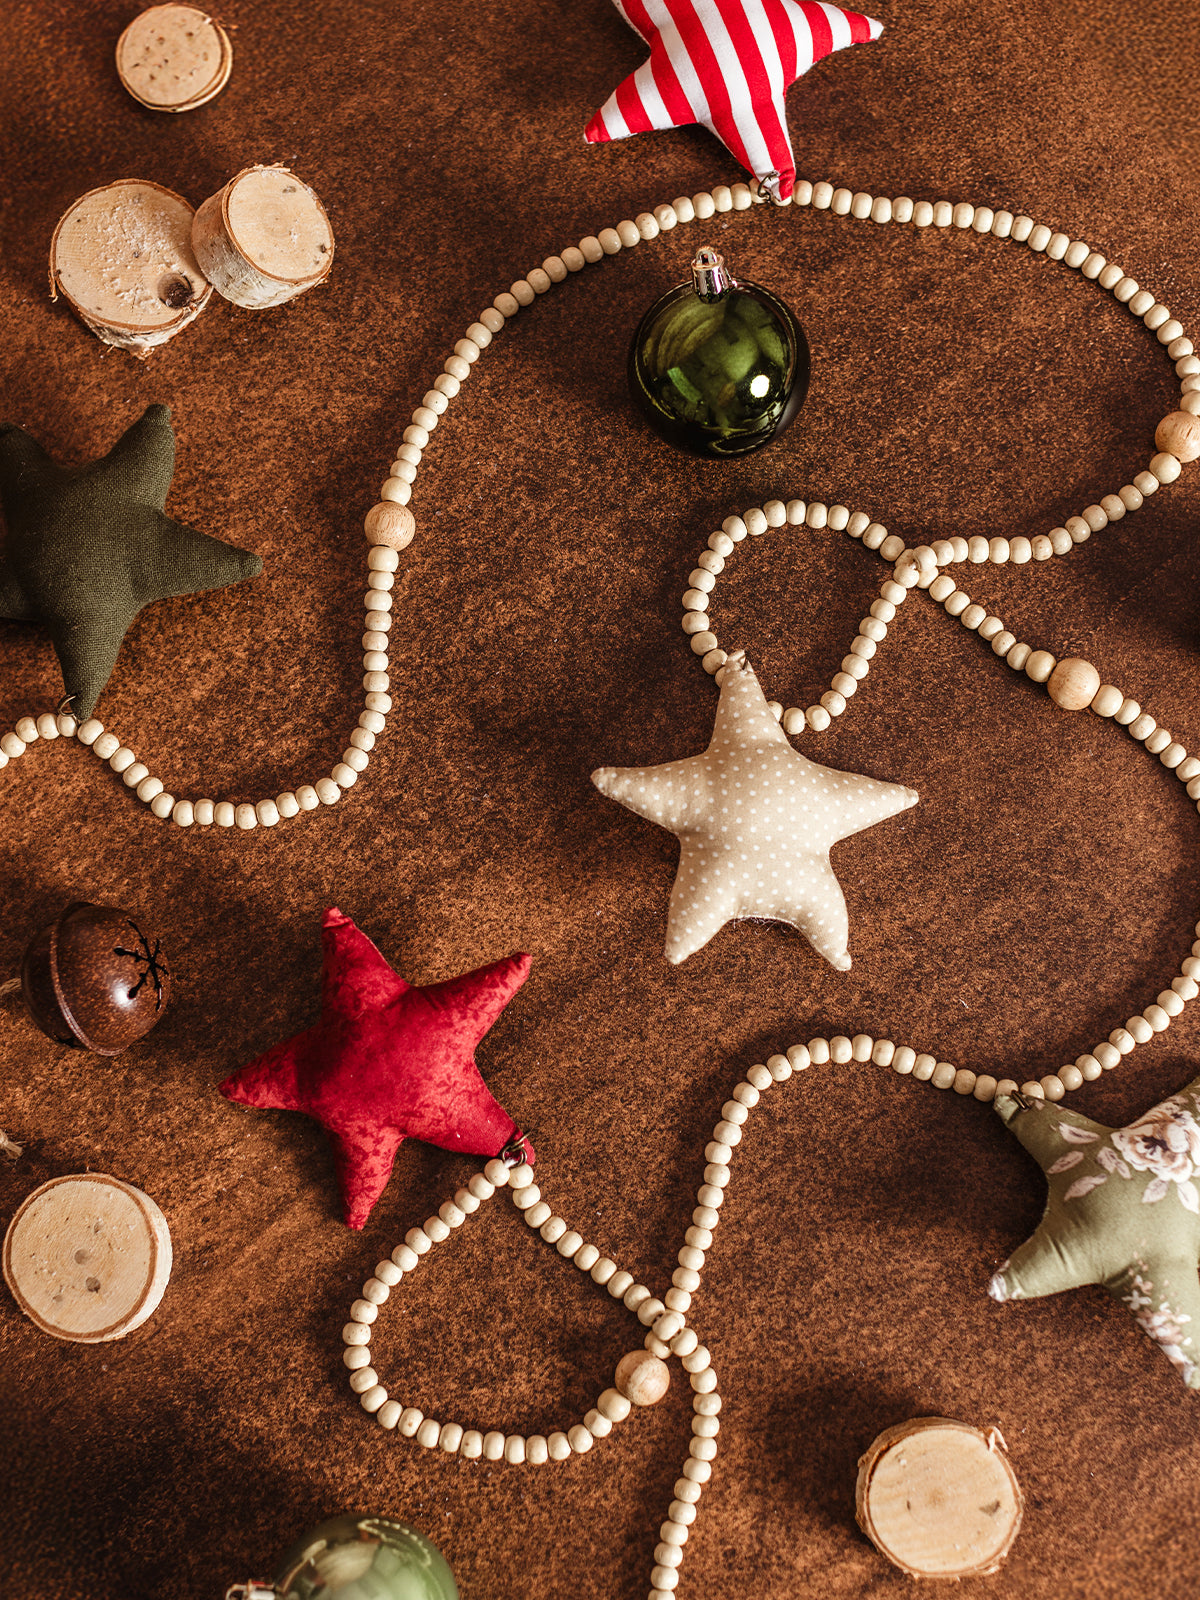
(756, 821)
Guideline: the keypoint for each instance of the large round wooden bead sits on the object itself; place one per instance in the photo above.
(1073, 684)
(642, 1378)
(1179, 435)
(391, 524)
(939, 1499)
(87, 1258)
(94, 978)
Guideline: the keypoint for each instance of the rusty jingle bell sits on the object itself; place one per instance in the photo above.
(95, 979)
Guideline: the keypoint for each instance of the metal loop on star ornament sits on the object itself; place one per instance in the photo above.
(514, 1152)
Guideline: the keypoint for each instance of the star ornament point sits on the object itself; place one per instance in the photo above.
(727, 64)
(1123, 1211)
(388, 1060)
(755, 822)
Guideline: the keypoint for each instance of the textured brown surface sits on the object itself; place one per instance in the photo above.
(1042, 890)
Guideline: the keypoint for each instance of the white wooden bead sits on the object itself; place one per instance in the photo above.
(373, 1398)
(375, 1291)
(266, 812)
(922, 214)
(205, 813)
(597, 1424)
(411, 1419)
(902, 209)
(364, 1311)
(552, 1229)
(579, 1439)
(224, 814)
(514, 1449)
(470, 1446)
(1171, 1002)
(356, 1333)
(943, 213)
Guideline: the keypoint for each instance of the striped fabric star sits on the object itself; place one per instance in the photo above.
(726, 65)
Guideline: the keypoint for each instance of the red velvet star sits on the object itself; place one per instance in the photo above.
(388, 1060)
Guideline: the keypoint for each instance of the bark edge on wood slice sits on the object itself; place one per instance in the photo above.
(939, 1498)
(87, 1258)
(122, 257)
(263, 239)
(174, 58)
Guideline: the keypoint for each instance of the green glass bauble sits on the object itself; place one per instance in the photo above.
(364, 1558)
(718, 367)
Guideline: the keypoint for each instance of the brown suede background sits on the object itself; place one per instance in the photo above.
(1043, 890)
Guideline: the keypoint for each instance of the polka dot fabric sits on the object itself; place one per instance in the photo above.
(756, 822)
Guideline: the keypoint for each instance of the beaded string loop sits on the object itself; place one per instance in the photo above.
(390, 526)
(1072, 683)
(641, 1379)
(669, 1332)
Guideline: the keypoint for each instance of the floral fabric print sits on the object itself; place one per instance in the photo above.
(1123, 1212)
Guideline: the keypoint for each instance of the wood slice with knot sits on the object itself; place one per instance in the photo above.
(939, 1498)
(174, 58)
(264, 239)
(88, 1258)
(122, 256)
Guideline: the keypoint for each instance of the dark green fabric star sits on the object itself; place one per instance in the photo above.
(1123, 1211)
(88, 547)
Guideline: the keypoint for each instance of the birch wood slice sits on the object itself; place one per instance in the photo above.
(264, 239)
(88, 1258)
(939, 1499)
(174, 58)
(122, 256)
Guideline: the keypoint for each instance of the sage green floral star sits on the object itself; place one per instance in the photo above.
(1123, 1211)
(88, 547)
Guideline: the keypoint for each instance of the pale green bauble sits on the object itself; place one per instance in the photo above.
(364, 1558)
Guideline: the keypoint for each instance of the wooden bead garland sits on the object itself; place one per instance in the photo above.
(641, 1376)
(388, 536)
(1072, 683)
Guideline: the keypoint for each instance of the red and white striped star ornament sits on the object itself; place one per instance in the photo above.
(726, 65)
